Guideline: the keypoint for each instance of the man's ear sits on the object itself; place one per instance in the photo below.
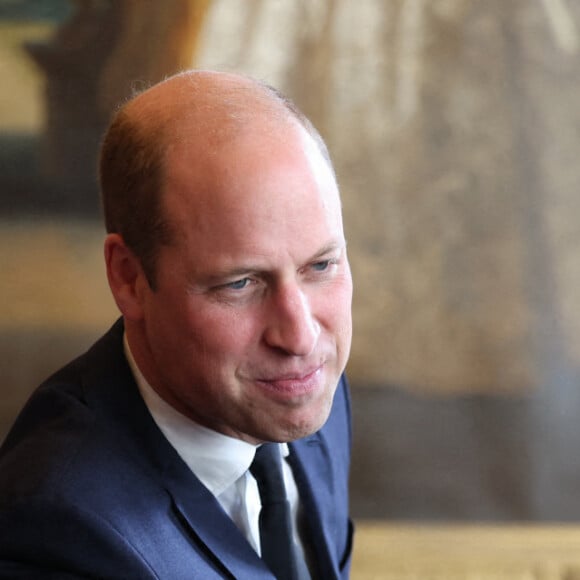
(126, 277)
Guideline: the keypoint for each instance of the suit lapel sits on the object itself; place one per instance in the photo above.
(311, 467)
(212, 527)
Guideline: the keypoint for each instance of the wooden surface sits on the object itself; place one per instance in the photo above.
(453, 552)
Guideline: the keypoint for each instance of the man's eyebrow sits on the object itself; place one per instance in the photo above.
(249, 268)
(328, 249)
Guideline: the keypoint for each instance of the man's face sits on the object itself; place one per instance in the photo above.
(249, 326)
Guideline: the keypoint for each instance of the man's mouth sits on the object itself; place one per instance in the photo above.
(295, 382)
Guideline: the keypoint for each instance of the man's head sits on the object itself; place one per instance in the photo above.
(226, 254)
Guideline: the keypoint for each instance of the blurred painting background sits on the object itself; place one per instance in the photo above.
(455, 130)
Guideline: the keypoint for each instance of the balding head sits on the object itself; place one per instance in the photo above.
(226, 255)
(195, 110)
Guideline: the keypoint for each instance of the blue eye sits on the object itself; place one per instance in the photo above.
(321, 266)
(238, 284)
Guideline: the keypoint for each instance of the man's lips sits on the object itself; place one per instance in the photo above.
(294, 382)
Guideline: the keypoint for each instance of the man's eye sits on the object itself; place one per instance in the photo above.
(237, 284)
(322, 265)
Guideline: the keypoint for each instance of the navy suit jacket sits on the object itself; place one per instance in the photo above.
(90, 487)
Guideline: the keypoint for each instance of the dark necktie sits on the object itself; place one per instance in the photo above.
(275, 517)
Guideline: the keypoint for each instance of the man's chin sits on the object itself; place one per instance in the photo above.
(300, 426)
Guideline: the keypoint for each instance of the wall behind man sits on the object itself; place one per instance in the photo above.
(454, 131)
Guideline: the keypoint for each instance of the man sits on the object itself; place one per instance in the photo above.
(226, 256)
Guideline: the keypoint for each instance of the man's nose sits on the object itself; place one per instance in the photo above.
(291, 325)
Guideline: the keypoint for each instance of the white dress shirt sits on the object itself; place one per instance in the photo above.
(220, 462)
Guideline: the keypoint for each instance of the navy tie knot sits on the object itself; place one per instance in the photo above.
(267, 470)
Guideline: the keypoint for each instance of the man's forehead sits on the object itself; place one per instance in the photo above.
(247, 182)
(267, 149)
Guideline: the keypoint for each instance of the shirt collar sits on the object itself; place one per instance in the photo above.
(216, 459)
